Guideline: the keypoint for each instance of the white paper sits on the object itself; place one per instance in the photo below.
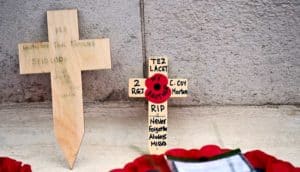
(233, 163)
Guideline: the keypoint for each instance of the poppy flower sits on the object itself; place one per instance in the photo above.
(11, 165)
(157, 88)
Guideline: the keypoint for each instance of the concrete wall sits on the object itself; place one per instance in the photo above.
(232, 52)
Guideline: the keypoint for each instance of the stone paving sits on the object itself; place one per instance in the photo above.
(115, 132)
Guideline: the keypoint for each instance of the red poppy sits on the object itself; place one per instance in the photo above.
(157, 88)
(11, 165)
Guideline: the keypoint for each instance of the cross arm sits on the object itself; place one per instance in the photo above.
(179, 87)
(93, 53)
(34, 58)
(136, 87)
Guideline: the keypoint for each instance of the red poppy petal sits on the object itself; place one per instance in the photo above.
(257, 158)
(210, 151)
(26, 168)
(280, 166)
(149, 83)
(163, 79)
(158, 97)
(130, 167)
(11, 165)
(176, 152)
(261, 160)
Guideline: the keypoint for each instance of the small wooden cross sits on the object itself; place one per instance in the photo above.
(64, 56)
(157, 89)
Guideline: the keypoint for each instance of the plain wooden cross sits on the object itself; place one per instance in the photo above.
(64, 56)
(157, 112)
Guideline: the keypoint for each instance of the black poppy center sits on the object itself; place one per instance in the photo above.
(157, 87)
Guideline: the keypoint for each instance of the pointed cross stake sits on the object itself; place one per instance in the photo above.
(157, 89)
(64, 56)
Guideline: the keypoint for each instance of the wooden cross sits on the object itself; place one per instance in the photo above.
(64, 56)
(156, 93)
